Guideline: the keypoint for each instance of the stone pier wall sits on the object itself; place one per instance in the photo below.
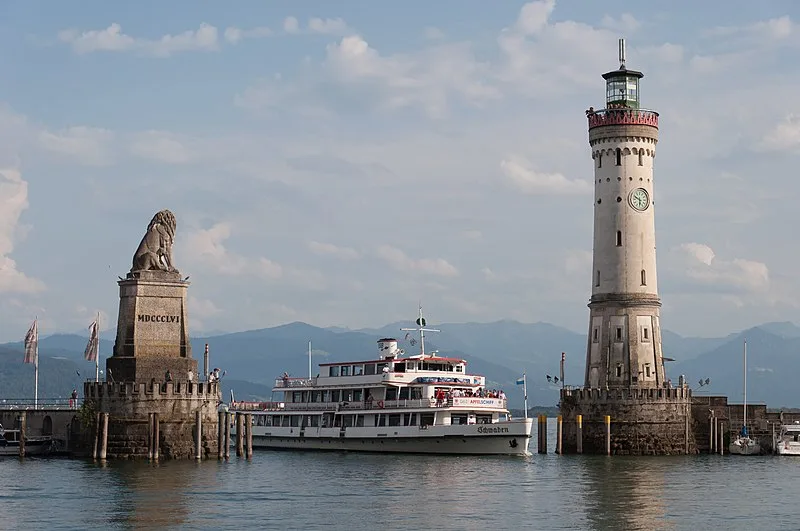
(643, 421)
(129, 406)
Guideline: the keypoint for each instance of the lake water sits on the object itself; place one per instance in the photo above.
(316, 490)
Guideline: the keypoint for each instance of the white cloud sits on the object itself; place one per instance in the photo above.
(700, 263)
(13, 201)
(206, 248)
(290, 25)
(344, 253)
(235, 35)
(533, 182)
(399, 261)
(625, 23)
(112, 39)
(88, 145)
(783, 137)
(160, 146)
(328, 26)
(202, 308)
(434, 34)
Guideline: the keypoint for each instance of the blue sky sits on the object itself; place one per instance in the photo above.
(336, 163)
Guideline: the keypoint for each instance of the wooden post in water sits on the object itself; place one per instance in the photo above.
(227, 435)
(239, 434)
(23, 428)
(220, 435)
(249, 422)
(607, 420)
(559, 433)
(712, 421)
(579, 431)
(721, 438)
(198, 428)
(542, 434)
(96, 435)
(104, 436)
(156, 436)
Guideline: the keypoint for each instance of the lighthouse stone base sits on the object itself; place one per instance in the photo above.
(643, 421)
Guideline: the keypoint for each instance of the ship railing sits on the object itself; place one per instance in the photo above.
(42, 403)
(295, 382)
(469, 402)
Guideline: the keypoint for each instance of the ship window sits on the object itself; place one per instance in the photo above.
(458, 419)
(369, 368)
(391, 393)
(297, 396)
(404, 393)
(326, 396)
(394, 419)
(399, 367)
(644, 277)
(345, 370)
(619, 238)
(619, 333)
(426, 419)
(314, 421)
(267, 420)
(483, 419)
(416, 393)
(359, 421)
(459, 368)
(381, 420)
(285, 421)
(347, 420)
(357, 395)
(619, 157)
(335, 394)
(347, 395)
(358, 370)
(333, 370)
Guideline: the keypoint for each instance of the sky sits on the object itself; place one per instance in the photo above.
(338, 163)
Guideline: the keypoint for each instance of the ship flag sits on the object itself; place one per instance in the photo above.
(31, 343)
(90, 354)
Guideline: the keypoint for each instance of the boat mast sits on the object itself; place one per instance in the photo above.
(97, 351)
(309, 360)
(745, 385)
(421, 324)
(36, 368)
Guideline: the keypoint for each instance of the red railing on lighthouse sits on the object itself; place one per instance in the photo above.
(621, 117)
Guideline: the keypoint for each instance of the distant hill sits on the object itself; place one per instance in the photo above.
(500, 350)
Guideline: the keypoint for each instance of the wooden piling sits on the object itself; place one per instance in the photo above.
(239, 434)
(198, 428)
(559, 433)
(579, 431)
(103, 436)
(149, 436)
(96, 435)
(227, 444)
(220, 435)
(607, 420)
(249, 422)
(721, 438)
(23, 428)
(712, 424)
(156, 436)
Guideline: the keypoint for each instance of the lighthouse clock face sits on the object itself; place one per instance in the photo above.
(639, 199)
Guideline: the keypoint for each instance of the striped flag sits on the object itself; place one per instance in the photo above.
(90, 354)
(521, 381)
(31, 343)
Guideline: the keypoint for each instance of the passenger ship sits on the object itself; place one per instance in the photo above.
(417, 404)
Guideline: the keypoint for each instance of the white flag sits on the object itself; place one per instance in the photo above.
(31, 343)
(90, 354)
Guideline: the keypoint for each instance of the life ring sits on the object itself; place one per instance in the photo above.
(380, 404)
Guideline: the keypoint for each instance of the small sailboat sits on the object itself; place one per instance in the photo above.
(743, 444)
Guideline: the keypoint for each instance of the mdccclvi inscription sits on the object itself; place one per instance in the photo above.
(145, 318)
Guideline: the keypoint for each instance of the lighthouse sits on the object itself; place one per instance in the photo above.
(625, 405)
(624, 343)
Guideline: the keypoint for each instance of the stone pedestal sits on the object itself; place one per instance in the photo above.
(152, 329)
(643, 421)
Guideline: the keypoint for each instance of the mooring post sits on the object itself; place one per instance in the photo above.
(156, 436)
(23, 427)
(227, 444)
(249, 422)
(149, 436)
(721, 438)
(96, 445)
(712, 421)
(198, 428)
(559, 434)
(239, 434)
(607, 420)
(104, 436)
(220, 435)
(579, 431)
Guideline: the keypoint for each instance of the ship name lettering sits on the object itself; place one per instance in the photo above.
(496, 429)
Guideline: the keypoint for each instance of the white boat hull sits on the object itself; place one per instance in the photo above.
(505, 438)
(788, 448)
(742, 446)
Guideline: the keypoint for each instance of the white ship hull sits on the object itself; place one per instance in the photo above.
(788, 448)
(505, 438)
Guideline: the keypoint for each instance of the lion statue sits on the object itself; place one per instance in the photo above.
(155, 250)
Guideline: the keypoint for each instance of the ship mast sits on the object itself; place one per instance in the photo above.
(421, 329)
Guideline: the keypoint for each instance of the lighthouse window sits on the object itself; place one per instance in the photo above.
(619, 333)
(619, 371)
(597, 280)
(600, 161)
(640, 157)
(619, 157)
(644, 277)
(595, 336)
(646, 334)
(619, 238)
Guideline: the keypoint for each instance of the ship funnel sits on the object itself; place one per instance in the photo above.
(387, 348)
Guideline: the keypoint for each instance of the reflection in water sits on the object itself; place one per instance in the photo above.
(626, 492)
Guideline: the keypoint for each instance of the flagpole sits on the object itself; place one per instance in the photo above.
(97, 352)
(525, 392)
(36, 367)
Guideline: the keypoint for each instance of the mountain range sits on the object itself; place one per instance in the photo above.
(501, 351)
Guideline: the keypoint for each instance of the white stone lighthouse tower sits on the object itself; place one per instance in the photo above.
(624, 344)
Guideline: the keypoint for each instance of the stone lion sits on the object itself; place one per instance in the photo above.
(155, 250)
